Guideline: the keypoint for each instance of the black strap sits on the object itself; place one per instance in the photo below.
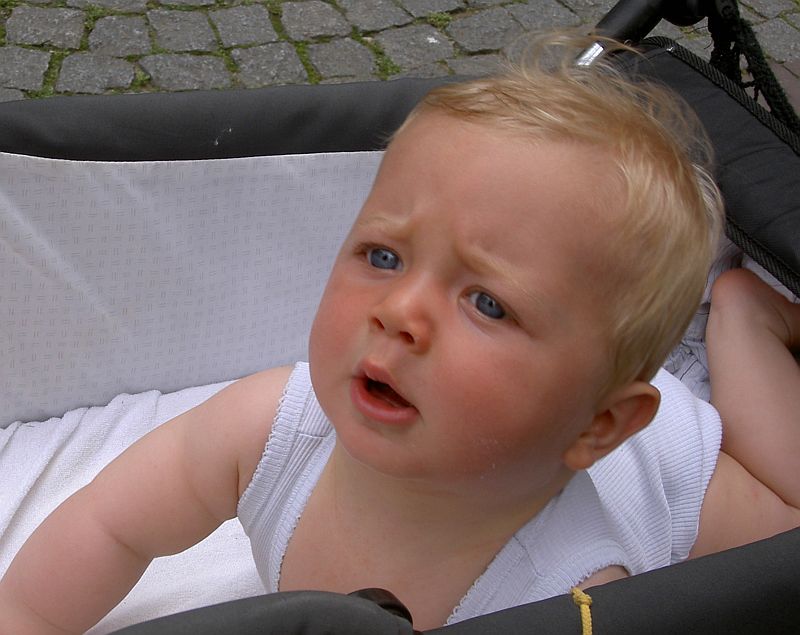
(733, 38)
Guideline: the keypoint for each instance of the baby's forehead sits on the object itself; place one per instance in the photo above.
(586, 176)
(603, 153)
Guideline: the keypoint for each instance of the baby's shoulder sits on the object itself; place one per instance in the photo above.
(250, 401)
(246, 411)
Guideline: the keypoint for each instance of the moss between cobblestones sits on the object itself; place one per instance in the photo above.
(384, 65)
(221, 51)
(439, 20)
(5, 8)
(314, 76)
(93, 14)
(5, 12)
(230, 65)
(188, 8)
(48, 88)
(275, 9)
(141, 81)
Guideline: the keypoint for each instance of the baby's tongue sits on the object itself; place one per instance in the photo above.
(387, 393)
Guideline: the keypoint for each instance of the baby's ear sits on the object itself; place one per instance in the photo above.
(621, 414)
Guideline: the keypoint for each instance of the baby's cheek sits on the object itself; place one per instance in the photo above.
(331, 331)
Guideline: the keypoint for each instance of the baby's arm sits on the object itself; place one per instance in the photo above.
(755, 386)
(162, 495)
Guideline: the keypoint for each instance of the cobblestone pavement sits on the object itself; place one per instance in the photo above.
(55, 47)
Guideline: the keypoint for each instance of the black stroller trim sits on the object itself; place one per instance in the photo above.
(733, 89)
(779, 259)
(749, 590)
(757, 166)
(198, 125)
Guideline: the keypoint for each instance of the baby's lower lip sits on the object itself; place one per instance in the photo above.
(375, 408)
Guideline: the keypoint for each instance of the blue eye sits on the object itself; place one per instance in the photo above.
(487, 305)
(383, 258)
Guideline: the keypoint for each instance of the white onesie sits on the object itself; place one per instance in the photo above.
(638, 507)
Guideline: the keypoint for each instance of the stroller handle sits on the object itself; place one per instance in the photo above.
(631, 20)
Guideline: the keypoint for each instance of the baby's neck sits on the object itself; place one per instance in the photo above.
(448, 519)
(363, 529)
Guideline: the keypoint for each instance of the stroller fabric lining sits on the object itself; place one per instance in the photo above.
(114, 272)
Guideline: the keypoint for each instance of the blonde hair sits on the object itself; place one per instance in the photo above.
(664, 240)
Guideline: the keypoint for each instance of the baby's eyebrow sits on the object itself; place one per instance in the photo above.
(386, 224)
(487, 264)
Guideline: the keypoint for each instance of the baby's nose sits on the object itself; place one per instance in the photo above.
(405, 314)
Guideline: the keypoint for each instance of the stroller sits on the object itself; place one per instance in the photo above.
(130, 225)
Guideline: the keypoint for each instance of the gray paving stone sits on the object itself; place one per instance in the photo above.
(189, 3)
(123, 6)
(62, 28)
(789, 82)
(269, 64)
(182, 30)
(342, 58)
(698, 44)
(590, 10)
(665, 29)
(312, 19)
(9, 94)
(422, 8)
(120, 35)
(485, 3)
(544, 14)
(779, 40)
(476, 65)
(22, 68)
(748, 14)
(186, 72)
(349, 80)
(428, 71)
(93, 73)
(421, 50)
(491, 29)
(771, 8)
(374, 15)
(243, 25)
(415, 46)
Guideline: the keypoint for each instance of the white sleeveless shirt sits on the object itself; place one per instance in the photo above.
(638, 507)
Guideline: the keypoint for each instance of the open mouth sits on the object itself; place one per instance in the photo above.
(374, 395)
(386, 393)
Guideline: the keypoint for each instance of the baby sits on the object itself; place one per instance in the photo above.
(483, 368)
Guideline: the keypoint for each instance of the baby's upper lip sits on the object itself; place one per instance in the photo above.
(375, 372)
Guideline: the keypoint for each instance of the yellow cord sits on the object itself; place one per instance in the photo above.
(583, 602)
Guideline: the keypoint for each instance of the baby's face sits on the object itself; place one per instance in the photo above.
(459, 339)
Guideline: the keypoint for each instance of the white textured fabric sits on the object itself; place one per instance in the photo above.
(296, 452)
(124, 277)
(638, 508)
(688, 360)
(42, 463)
